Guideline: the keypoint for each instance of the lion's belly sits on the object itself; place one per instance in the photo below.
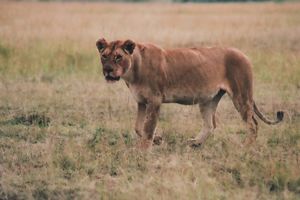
(188, 97)
(185, 100)
(180, 95)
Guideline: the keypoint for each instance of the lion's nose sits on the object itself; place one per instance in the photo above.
(108, 69)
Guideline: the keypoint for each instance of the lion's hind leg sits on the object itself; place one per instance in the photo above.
(207, 110)
(245, 108)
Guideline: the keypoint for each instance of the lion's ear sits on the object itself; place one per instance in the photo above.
(101, 44)
(128, 46)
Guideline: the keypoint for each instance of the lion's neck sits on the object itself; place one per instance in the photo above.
(134, 73)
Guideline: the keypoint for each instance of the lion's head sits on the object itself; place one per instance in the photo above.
(115, 57)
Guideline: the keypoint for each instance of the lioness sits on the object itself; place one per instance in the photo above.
(184, 75)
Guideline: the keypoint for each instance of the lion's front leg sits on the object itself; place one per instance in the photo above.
(151, 118)
(139, 124)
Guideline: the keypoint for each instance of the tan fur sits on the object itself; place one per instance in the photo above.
(185, 76)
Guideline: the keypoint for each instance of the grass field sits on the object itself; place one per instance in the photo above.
(66, 134)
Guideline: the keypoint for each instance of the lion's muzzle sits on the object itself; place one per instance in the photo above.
(108, 73)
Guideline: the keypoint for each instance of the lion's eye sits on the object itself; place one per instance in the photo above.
(104, 57)
(118, 58)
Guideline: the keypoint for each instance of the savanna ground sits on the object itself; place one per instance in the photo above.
(66, 134)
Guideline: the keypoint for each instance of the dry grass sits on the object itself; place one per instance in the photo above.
(66, 134)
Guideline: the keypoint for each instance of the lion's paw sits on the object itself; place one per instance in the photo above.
(194, 143)
(157, 140)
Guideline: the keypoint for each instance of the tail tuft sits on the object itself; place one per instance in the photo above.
(280, 115)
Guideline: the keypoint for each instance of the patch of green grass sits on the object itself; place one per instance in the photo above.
(31, 119)
(96, 137)
(44, 59)
(277, 184)
(294, 185)
(4, 51)
(32, 135)
(236, 175)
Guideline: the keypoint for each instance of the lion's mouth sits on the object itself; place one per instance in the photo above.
(110, 78)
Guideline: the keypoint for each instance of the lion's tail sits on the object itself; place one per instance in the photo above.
(280, 115)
